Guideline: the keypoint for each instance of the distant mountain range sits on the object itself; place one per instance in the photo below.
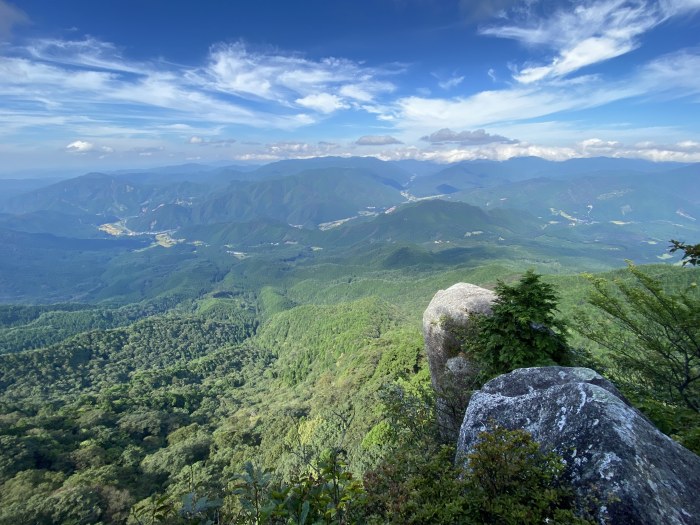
(607, 209)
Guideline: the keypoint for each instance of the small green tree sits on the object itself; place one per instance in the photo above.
(511, 481)
(652, 335)
(523, 329)
(691, 252)
(508, 480)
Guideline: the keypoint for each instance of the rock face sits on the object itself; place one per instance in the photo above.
(450, 372)
(637, 474)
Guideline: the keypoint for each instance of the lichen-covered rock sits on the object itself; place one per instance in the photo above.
(613, 453)
(449, 372)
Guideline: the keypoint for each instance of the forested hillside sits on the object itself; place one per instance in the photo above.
(144, 364)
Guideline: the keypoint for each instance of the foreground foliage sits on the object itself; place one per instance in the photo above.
(522, 331)
(652, 337)
(148, 413)
(507, 479)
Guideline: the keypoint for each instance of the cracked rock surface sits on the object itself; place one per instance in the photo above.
(450, 372)
(612, 452)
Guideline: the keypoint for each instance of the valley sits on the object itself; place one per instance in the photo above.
(159, 329)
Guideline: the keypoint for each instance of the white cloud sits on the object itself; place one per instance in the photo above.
(90, 52)
(291, 150)
(24, 82)
(177, 127)
(92, 79)
(449, 83)
(322, 102)
(682, 151)
(583, 34)
(479, 136)
(377, 140)
(283, 78)
(197, 140)
(80, 146)
(486, 107)
(366, 91)
(489, 152)
(673, 75)
(83, 146)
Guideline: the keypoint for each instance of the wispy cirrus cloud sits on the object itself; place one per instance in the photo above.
(449, 82)
(583, 34)
(668, 76)
(324, 85)
(93, 79)
(86, 53)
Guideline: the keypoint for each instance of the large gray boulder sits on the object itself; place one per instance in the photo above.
(612, 452)
(450, 372)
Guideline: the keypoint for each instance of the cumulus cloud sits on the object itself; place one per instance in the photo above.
(682, 151)
(486, 152)
(479, 136)
(290, 150)
(83, 146)
(377, 140)
(585, 34)
(80, 146)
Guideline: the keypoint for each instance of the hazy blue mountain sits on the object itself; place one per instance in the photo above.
(214, 177)
(418, 168)
(386, 170)
(293, 213)
(308, 199)
(12, 187)
(475, 174)
(57, 223)
(671, 197)
(91, 193)
(108, 195)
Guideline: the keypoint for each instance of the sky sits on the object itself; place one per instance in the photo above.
(87, 85)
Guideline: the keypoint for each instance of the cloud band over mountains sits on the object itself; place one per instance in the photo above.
(550, 74)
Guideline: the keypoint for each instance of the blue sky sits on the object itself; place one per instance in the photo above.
(127, 83)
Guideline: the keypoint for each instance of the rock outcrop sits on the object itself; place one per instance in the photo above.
(621, 466)
(447, 313)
